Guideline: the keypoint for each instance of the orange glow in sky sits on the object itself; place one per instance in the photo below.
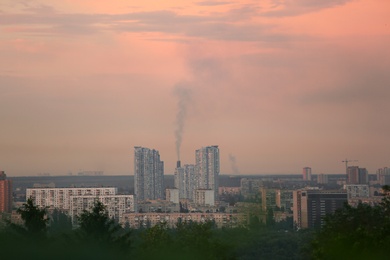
(278, 84)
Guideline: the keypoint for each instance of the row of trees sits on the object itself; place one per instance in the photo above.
(99, 236)
(352, 232)
(361, 232)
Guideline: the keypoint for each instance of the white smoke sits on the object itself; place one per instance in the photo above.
(233, 164)
(184, 95)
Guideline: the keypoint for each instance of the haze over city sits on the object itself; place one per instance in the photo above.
(277, 85)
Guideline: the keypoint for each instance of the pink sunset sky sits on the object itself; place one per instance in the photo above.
(278, 84)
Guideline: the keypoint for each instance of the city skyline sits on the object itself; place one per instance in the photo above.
(278, 85)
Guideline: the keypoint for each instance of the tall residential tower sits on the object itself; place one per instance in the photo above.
(207, 168)
(148, 174)
(185, 181)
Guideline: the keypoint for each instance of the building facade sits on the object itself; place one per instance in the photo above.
(357, 191)
(172, 195)
(311, 206)
(148, 174)
(284, 199)
(356, 175)
(306, 174)
(383, 176)
(116, 205)
(322, 178)
(185, 181)
(143, 220)
(204, 197)
(60, 198)
(5, 193)
(250, 187)
(268, 198)
(207, 168)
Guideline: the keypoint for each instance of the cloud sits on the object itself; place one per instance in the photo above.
(224, 26)
(299, 7)
(212, 3)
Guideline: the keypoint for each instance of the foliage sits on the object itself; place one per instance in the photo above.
(97, 227)
(60, 223)
(354, 232)
(100, 237)
(35, 220)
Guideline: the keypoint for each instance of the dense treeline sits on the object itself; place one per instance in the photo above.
(362, 232)
(100, 237)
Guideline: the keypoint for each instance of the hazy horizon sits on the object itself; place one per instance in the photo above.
(277, 85)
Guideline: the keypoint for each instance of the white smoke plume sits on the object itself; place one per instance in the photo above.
(233, 164)
(184, 95)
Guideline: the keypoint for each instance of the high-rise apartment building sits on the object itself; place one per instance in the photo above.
(207, 168)
(383, 176)
(306, 174)
(311, 206)
(185, 181)
(356, 175)
(148, 174)
(5, 193)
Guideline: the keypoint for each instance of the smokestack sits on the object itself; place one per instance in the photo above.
(178, 164)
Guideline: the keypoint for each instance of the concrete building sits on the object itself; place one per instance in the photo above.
(268, 198)
(284, 199)
(207, 168)
(172, 195)
(356, 175)
(322, 179)
(229, 191)
(148, 174)
(60, 198)
(185, 181)
(116, 205)
(383, 176)
(5, 193)
(306, 174)
(357, 191)
(204, 197)
(311, 206)
(250, 187)
(141, 220)
(158, 206)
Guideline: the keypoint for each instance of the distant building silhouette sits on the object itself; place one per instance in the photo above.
(5, 193)
(148, 174)
(383, 176)
(306, 174)
(322, 178)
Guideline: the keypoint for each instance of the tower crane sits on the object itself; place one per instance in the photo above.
(346, 161)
